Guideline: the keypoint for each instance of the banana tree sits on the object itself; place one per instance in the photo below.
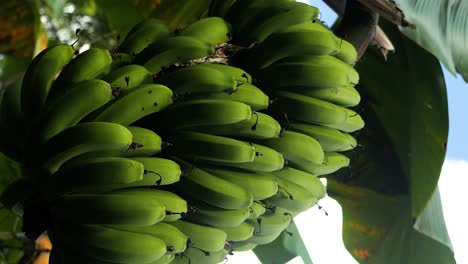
(391, 206)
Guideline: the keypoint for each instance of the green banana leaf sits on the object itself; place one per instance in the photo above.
(441, 29)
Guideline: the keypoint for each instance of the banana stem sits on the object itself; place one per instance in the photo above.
(358, 26)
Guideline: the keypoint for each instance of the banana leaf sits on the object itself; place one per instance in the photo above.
(441, 28)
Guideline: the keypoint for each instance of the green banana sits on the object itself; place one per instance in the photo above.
(205, 147)
(169, 51)
(309, 110)
(129, 76)
(266, 160)
(243, 14)
(308, 181)
(175, 206)
(206, 214)
(145, 143)
(352, 123)
(213, 30)
(333, 161)
(346, 96)
(94, 175)
(292, 197)
(203, 237)
(83, 138)
(296, 147)
(241, 232)
(347, 52)
(324, 60)
(196, 79)
(111, 209)
(88, 65)
(243, 246)
(176, 241)
(134, 104)
(109, 244)
(271, 222)
(281, 45)
(245, 93)
(119, 60)
(314, 25)
(39, 76)
(260, 126)
(256, 209)
(311, 72)
(143, 34)
(185, 115)
(292, 13)
(166, 259)
(330, 139)
(158, 171)
(204, 257)
(260, 185)
(73, 106)
(203, 186)
(237, 74)
(261, 239)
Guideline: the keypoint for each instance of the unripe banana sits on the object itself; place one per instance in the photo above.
(38, 78)
(196, 79)
(198, 256)
(176, 241)
(143, 34)
(175, 205)
(202, 112)
(10, 108)
(111, 209)
(203, 186)
(296, 147)
(203, 237)
(245, 93)
(256, 209)
(330, 139)
(346, 96)
(206, 214)
(260, 126)
(241, 232)
(129, 76)
(309, 110)
(281, 45)
(333, 161)
(311, 72)
(292, 197)
(353, 123)
(260, 185)
(72, 106)
(158, 171)
(205, 147)
(166, 259)
(88, 65)
(243, 246)
(262, 239)
(167, 52)
(137, 103)
(83, 138)
(94, 175)
(289, 14)
(347, 52)
(308, 181)
(271, 222)
(213, 30)
(109, 244)
(237, 74)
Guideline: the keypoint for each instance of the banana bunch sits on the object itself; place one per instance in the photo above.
(161, 152)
